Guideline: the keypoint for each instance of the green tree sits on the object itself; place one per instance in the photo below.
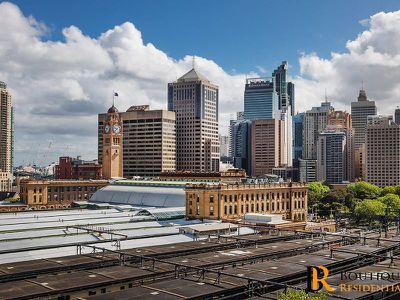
(391, 201)
(316, 191)
(301, 295)
(364, 190)
(388, 190)
(371, 207)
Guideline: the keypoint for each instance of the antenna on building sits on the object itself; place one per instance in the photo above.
(193, 61)
(326, 97)
(362, 84)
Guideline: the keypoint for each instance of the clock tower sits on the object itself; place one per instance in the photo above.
(112, 145)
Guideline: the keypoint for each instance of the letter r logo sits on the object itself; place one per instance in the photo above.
(316, 278)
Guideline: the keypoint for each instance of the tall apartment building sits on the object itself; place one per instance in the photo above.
(315, 121)
(6, 129)
(194, 99)
(382, 151)
(267, 140)
(360, 110)
(260, 99)
(335, 154)
(149, 145)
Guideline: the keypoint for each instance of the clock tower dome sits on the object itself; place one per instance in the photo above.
(112, 145)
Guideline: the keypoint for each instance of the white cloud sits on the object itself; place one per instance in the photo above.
(373, 57)
(59, 87)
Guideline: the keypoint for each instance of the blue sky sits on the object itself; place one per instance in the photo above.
(61, 74)
(239, 35)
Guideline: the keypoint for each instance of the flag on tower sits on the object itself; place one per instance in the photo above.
(115, 94)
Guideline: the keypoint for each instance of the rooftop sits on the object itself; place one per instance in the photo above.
(192, 75)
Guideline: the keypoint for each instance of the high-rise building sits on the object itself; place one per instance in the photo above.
(241, 151)
(382, 151)
(6, 129)
(298, 138)
(360, 165)
(260, 99)
(194, 99)
(315, 121)
(239, 117)
(283, 88)
(397, 116)
(308, 170)
(335, 154)
(360, 110)
(267, 143)
(149, 141)
(287, 146)
(224, 145)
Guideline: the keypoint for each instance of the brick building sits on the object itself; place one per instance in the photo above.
(76, 168)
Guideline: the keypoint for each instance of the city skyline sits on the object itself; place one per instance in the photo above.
(55, 88)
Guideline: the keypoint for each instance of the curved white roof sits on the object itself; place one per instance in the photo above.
(141, 195)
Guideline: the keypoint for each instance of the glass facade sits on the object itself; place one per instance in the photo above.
(260, 99)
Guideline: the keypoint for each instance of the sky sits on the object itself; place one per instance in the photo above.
(62, 59)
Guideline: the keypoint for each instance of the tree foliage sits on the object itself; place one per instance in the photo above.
(316, 191)
(364, 190)
(371, 207)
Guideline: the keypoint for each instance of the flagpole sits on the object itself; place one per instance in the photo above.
(113, 98)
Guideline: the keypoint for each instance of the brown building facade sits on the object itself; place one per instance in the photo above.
(48, 194)
(267, 138)
(149, 141)
(194, 99)
(76, 168)
(233, 201)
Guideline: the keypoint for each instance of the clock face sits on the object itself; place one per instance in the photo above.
(107, 129)
(116, 128)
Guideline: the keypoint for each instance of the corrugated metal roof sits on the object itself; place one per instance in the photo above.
(140, 195)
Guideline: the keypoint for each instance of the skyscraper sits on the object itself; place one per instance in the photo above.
(315, 121)
(382, 151)
(267, 146)
(397, 116)
(194, 99)
(298, 138)
(260, 99)
(224, 145)
(6, 129)
(149, 140)
(360, 110)
(283, 88)
(239, 117)
(241, 150)
(335, 154)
